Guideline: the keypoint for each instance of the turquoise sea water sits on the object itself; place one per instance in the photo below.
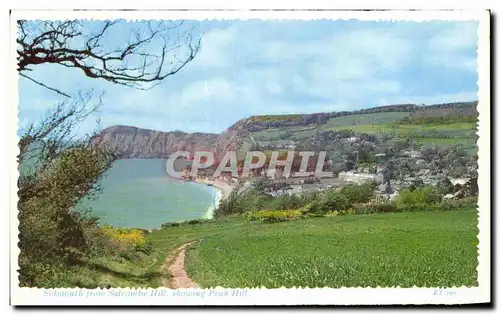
(138, 193)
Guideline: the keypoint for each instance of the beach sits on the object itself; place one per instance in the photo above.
(224, 187)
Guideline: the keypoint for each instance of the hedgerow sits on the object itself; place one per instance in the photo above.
(271, 216)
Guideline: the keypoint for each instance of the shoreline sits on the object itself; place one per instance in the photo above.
(223, 187)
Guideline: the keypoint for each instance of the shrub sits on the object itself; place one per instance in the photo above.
(287, 202)
(271, 216)
(126, 236)
(146, 248)
(330, 201)
(426, 195)
(358, 193)
(199, 221)
(309, 197)
(240, 201)
(170, 224)
(349, 211)
(335, 200)
(333, 213)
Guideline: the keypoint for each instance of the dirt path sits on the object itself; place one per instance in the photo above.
(174, 265)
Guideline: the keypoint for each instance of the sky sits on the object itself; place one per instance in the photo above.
(256, 67)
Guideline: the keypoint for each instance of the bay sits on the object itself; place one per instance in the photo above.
(138, 193)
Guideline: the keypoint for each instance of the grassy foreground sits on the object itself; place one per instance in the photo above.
(433, 249)
(395, 249)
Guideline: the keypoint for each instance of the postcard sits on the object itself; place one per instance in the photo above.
(306, 157)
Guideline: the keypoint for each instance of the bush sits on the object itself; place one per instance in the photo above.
(199, 221)
(287, 202)
(146, 248)
(253, 199)
(358, 193)
(335, 201)
(126, 236)
(349, 211)
(240, 201)
(170, 224)
(330, 201)
(333, 213)
(426, 195)
(310, 196)
(271, 216)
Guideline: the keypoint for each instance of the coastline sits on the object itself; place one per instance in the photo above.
(223, 187)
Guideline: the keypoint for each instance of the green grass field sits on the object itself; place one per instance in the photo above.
(404, 129)
(433, 249)
(362, 119)
(292, 133)
(397, 249)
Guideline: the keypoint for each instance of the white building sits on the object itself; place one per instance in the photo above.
(359, 177)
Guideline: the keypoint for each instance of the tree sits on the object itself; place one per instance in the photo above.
(56, 171)
(72, 44)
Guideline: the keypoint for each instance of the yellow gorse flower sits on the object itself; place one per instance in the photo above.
(126, 236)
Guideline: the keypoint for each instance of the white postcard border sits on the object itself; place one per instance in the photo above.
(295, 296)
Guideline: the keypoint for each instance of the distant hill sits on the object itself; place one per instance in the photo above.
(262, 122)
(280, 131)
(133, 142)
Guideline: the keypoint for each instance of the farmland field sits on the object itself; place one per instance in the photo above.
(363, 119)
(292, 133)
(406, 129)
(398, 249)
(380, 123)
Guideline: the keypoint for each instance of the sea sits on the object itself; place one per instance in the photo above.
(138, 193)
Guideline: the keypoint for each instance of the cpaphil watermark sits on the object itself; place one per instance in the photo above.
(254, 162)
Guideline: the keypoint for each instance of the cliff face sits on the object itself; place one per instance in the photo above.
(133, 142)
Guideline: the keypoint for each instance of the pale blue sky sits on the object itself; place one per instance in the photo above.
(277, 67)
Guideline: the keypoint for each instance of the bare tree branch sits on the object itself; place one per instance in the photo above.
(45, 86)
(69, 44)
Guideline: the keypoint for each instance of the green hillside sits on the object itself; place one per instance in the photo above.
(427, 126)
(406, 249)
(428, 249)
